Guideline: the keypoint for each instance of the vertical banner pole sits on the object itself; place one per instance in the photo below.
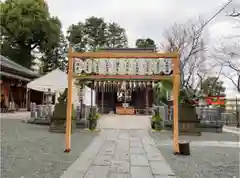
(102, 93)
(176, 87)
(69, 103)
(92, 84)
(146, 99)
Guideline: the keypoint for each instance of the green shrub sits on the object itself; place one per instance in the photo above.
(158, 123)
(98, 115)
(158, 118)
(153, 118)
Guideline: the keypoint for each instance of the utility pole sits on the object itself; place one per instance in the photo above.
(237, 113)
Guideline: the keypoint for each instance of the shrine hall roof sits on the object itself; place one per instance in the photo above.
(5, 62)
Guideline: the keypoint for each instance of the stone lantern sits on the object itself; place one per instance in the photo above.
(48, 101)
(48, 98)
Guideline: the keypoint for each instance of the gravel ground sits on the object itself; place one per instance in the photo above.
(224, 136)
(205, 161)
(31, 151)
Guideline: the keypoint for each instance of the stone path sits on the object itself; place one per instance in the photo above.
(226, 144)
(231, 129)
(118, 153)
(124, 122)
(15, 115)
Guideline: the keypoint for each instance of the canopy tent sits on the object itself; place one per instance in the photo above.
(57, 81)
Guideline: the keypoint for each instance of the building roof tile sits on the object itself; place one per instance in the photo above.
(4, 61)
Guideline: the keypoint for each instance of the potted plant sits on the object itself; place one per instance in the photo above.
(156, 120)
(155, 112)
(158, 123)
(153, 119)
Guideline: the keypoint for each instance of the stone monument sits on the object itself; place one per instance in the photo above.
(58, 119)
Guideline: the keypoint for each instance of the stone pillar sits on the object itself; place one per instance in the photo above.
(78, 112)
(33, 109)
(50, 111)
(39, 111)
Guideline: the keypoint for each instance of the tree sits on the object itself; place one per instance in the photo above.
(211, 86)
(228, 54)
(55, 57)
(76, 36)
(116, 36)
(161, 90)
(95, 33)
(187, 39)
(26, 26)
(145, 43)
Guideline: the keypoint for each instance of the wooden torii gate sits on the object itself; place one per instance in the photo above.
(175, 56)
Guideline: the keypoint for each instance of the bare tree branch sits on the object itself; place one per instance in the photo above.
(228, 54)
(187, 39)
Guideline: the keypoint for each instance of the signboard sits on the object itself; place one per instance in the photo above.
(123, 66)
(215, 100)
(212, 100)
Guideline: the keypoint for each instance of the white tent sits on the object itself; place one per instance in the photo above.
(55, 80)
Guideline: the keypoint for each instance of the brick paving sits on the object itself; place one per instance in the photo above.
(121, 154)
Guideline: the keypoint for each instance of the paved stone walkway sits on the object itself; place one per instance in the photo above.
(231, 129)
(124, 122)
(117, 153)
(226, 144)
(15, 115)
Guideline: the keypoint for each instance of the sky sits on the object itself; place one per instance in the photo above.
(150, 18)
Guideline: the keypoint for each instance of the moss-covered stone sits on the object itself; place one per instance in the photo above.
(188, 120)
(58, 119)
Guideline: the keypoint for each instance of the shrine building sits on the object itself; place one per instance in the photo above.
(13, 81)
(126, 95)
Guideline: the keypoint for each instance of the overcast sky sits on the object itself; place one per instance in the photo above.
(146, 18)
(140, 18)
